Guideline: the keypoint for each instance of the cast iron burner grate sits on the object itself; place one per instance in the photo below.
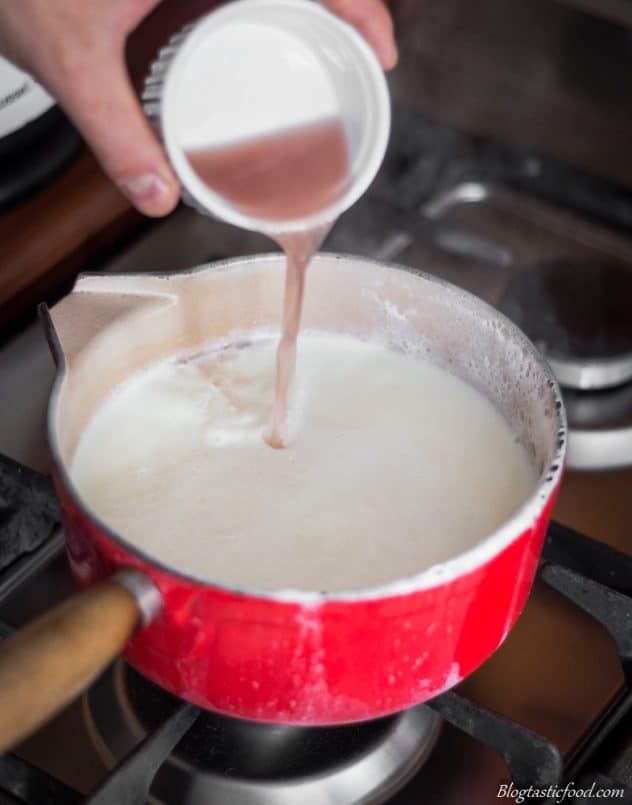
(592, 575)
(224, 759)
(28, 511)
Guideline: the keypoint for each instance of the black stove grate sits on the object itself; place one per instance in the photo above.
(28, 510)
(593, 576)
(130, 782)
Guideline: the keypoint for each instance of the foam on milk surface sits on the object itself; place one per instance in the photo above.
(394, 465)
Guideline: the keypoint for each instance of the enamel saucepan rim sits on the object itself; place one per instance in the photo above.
(434, 576)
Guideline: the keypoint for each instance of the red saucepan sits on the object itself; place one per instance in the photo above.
(312, 658)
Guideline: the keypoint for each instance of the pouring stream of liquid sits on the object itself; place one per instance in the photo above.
(293, 174)
(299, 249)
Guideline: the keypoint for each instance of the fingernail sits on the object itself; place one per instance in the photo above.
(148, 192)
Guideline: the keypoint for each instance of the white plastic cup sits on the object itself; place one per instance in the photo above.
(253, 67)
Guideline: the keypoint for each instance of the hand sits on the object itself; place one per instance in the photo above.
(76, 50)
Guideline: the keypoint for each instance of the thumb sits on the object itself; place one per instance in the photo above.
(102, 103)
(373, 20)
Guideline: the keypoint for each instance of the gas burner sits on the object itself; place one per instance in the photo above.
(601, 427)
(577, 312)
(228, 760)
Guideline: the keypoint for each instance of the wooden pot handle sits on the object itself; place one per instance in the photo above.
(47, 664)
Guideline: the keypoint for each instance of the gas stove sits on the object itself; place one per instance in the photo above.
(552, 706)
(127, 741)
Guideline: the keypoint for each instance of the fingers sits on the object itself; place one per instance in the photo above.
(373, 20)
(81, 62)
(96, 92)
